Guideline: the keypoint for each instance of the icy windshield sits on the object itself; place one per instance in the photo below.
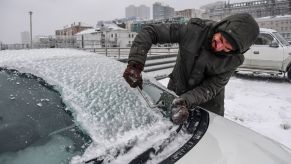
(115, 116)
(92, 87)
(33, 120)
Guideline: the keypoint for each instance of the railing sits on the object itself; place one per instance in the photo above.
(121, 53)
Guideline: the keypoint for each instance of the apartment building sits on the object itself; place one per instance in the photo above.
(162, 11)
(259, 8)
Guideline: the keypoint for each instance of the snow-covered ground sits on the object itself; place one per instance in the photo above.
(263, 106)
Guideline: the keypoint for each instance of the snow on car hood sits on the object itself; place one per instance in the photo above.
(93, 88)
(230, 143)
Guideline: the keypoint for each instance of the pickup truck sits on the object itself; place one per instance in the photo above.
(270, 54)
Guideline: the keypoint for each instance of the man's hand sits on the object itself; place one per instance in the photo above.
(179, 111)
(132, 74)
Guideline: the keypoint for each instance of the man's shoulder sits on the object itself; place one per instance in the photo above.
(201, 22)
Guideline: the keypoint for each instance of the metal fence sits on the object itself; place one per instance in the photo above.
(89, 45)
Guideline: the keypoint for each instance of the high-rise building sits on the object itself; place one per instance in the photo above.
(162, 11)
(141, 11)
(25, 37)
(130, 11)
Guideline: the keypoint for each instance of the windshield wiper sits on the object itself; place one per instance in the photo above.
(109, 156)
(155, 150)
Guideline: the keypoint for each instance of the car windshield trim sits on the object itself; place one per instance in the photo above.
(198, 132)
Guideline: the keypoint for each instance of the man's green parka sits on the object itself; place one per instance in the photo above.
(200, 75)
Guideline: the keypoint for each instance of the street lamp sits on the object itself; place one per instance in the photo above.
(30, 15)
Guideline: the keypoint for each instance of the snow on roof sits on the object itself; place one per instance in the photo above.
(113, 27)
(88, 31)
(269, 18)
(267, 30)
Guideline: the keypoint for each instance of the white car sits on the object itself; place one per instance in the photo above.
(270, 53)
(69, 106)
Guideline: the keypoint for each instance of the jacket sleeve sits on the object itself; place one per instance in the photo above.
(153, 34)
(207, 90)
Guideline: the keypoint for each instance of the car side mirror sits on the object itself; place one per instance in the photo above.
(274, 44)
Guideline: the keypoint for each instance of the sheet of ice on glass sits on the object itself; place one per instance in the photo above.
(93, 88)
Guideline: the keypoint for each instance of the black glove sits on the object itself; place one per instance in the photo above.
(132, 74)
(179, 111)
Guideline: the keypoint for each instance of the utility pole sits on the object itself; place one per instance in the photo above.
(105, 30)
(30, 15)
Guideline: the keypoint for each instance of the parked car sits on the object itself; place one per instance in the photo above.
(70, 106)
(270, 53)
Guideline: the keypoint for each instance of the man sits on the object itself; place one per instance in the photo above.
(209, 52)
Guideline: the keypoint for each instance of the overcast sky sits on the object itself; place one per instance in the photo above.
(49, 15)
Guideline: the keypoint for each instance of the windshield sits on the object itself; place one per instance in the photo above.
(281, 39)
(121, 122)
(34, 122)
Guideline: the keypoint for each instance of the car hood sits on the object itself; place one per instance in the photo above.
(228, 142)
